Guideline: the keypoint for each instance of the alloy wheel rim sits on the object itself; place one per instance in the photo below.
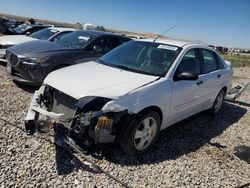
(145, 133)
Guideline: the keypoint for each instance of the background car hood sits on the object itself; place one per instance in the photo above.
(94, 79)
(37, 46)
(15, 39)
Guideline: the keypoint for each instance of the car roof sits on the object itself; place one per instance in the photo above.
(100, 33)
(62, 29)
(174, 42)
(38, 25)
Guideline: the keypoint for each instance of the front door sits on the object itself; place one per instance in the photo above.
(187, 95)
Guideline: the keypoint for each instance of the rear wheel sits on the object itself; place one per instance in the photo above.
(141, 133)
(218, 103)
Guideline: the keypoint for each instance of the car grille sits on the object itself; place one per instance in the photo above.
(11, 58)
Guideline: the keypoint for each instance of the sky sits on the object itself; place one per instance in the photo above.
(217, 22)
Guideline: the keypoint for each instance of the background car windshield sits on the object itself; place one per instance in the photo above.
(77, 39)
(142, 57)
(44, 34)
(21, 29)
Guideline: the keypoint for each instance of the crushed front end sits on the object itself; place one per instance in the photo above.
(86, 123)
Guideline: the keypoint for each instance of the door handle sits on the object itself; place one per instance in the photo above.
(199, 82)
(219, 76)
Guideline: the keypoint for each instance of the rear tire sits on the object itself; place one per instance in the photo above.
(217, 103)
(141, 133)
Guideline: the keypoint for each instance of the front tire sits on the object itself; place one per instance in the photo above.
(141, 133)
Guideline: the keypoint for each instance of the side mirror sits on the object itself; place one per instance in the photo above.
(98, 49)
(186, 76)
(27, 33)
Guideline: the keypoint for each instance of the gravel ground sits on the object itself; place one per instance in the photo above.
(198, 152)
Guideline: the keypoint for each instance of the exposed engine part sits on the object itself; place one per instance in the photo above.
(89, 118)
(104, 122)
(44, 125)
(103, 130)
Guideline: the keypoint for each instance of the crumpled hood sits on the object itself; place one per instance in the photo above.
(94, 79)
(37, 46)
(14, 39)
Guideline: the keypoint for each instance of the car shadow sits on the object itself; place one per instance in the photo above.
(182, 138)
(66, 162)
(3, 63)
(30, 89)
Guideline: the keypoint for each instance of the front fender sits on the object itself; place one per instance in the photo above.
(158, 95)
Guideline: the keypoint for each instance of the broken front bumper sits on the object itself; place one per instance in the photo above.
(88, 127)
(35, 110)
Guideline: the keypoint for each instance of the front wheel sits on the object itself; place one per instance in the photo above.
(141, 133)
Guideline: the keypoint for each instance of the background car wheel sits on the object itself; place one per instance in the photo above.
(141, 133)
(217, 103)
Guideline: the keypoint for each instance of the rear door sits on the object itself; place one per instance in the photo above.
(105, 44)
(90, 54)
(211, 76)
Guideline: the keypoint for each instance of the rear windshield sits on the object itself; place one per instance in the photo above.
(44, 34)
(21, 29)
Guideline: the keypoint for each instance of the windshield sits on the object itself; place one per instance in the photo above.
(21, 29)
(77, 39)
(142, 57)
(44, 34)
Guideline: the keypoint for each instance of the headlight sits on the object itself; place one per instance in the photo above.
(29, 61)
(34, 60)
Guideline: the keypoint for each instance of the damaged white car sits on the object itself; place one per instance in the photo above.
(132, 93)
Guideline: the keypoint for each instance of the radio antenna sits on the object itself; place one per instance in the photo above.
(164, 32)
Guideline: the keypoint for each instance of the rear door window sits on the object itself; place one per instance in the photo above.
(209, 60)
(60, 35)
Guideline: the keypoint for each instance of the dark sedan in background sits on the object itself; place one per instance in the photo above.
(30, 62)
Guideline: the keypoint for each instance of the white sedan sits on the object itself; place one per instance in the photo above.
(133, 92)
(51, 34)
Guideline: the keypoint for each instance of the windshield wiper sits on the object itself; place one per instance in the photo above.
(127, 68)
(123, 67)
(114, 65)
(136, 70)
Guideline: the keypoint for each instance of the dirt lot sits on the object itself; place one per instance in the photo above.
(198, 152)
